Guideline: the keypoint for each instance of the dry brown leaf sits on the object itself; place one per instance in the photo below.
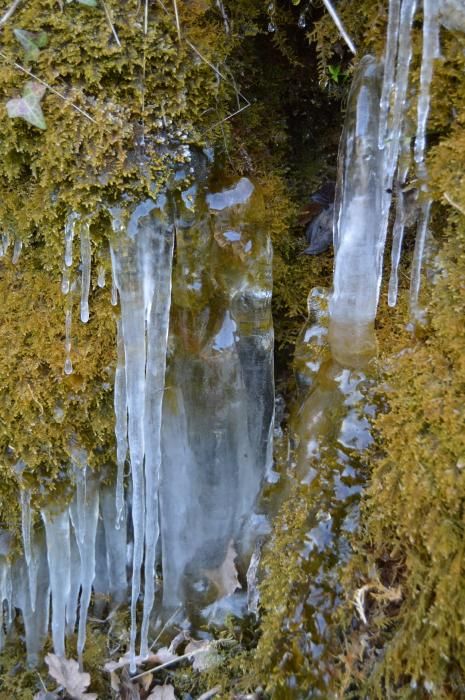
(146, 681)
(162, 692)
(225, 576)
(67, 674)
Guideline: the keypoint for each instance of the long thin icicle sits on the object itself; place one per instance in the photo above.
(128, 278)
(389, 68)
(121, 422)
(157, 341)
(430, 51)
(26, 520)
(86, 257)
(84, 516)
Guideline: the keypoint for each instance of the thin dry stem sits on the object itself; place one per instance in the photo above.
(454, 204)
(9, 12)
(178, 23)
(337, 21)
(109, 20)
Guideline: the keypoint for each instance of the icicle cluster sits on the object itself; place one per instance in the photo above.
(375, 159)
(142, 253)
(61, 567)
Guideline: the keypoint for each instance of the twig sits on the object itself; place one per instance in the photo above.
(176, 14)
(9, 12)
(339, 25)
(230, 116)
(164, 627)
(52, 89)
(112, 26)
(146, 17)
(449, 199)
(183, 657)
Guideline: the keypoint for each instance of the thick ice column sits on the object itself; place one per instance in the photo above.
(220, 386)
(59, 559)
(357, 231)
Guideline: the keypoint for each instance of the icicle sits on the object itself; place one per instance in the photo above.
(389, 68)
(121, 422)
(400, 220)
(116, 546)
(86, 256)
(429, 53)
(59, 560)
(136, 266)
(65, 280)
(31, 562)
(84, 516)
(430, 50)
(128, 277)
(358, 233)
(114, 290)
(101, 276)
(69, 235)
(157, 341)
(17, 251)
(75, 586)
(35, 622)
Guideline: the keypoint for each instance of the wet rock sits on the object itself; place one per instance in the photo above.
(319, 231)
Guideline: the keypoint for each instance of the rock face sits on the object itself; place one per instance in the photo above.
(319, 232)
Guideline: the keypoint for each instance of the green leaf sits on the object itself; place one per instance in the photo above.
(296, 2)
(31, 42)
(28, 106)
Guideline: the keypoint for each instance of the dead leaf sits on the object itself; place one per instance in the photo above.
(146, 681)
(28, 106)
(162, 692)
(203, 655)
(225, 577)
(67, 674)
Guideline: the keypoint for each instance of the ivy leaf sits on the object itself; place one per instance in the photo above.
(28, 106)
(31, 42)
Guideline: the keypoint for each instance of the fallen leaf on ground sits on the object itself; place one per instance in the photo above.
(66, 673)
(162, 692)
